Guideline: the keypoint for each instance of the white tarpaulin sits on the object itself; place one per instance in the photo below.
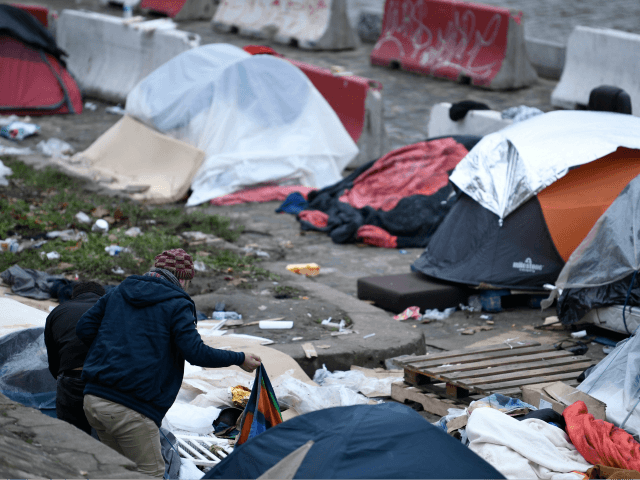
(258, 119)
(508, 167)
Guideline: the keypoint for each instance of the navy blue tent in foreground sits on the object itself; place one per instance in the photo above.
(363, 441)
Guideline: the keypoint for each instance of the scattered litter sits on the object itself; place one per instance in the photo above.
(490, 322)
(226, 316)
(117, 110)
(486, 317)
(4, 150)
(308, 269)
(53, 255)
(262, 308)
(309, 315)
(9, 245)
(54, 147)
(83, 217)
(309, 351)
(580, 334)
(275, 325)
(199, 238)
(435, 314)
(370, 335)
(323, 346)
(411, 312)
(91, 106)
(133, 232)
(19, 130)
(257, 322)
(551, 320)
(117, 271)
(191, 418)
(199, 266)
(369, 382)
(68, 235)
(248, 250)
(473, 330)
(402, 252)
(101, 226)
(114, 250)
(295, 339)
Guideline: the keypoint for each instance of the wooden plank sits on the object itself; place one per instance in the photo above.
(489, 387)
(401, 392)
(482, 357)
(465, 351)
(523, 363)
(503, 377)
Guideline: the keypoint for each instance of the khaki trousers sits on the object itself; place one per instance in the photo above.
(128, 432)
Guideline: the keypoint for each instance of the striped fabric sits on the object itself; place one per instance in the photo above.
(262, 411)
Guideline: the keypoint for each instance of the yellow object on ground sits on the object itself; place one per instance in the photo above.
(308, 269)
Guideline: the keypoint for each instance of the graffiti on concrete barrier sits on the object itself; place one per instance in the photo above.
(445, 38)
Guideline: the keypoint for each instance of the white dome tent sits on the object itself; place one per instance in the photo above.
(258, 119)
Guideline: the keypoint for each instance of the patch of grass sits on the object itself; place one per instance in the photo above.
(285, 291)
(40, 201)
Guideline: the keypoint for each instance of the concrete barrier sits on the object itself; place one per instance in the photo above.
(311, 24)
(358, 103)
(472, 43)
(595, 57)
(546, 57)
(475, 122)
(108, 56)
(181, 9)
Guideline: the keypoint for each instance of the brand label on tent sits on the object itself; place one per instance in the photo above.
(527, 266)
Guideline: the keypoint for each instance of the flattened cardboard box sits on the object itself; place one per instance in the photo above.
(558, 395)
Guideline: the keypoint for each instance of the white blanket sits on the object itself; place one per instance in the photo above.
(524, 449)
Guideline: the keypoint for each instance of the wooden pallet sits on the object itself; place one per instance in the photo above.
(503, 368)
(431, 402)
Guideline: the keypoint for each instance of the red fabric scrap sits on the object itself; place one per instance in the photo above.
(376, 236)
(315, 217)
(268, 193)
(601, 442)
(418, 169)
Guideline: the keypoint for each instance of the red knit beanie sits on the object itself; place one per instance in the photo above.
(178, 262)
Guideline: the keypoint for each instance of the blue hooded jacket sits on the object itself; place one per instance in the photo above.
(140, 334)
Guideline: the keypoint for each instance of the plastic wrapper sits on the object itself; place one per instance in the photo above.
(305, 398)
(19, 130)
(356, 381)
(500, 402)
(191, 418)
(55, 147)
(308, 269)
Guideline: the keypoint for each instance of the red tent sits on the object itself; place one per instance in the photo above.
(33, 77)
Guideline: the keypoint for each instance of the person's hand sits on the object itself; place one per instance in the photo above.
(251, 362)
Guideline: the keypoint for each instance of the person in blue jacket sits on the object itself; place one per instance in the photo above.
(139, 335)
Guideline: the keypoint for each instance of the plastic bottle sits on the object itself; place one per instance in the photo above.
(127, 9)
(9, 245)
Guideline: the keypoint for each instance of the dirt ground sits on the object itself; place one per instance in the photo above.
(408, 99)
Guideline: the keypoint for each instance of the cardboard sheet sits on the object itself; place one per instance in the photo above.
(148, 165)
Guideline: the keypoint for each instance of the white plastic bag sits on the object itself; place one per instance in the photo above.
(615, 382)
(54, 147)
(305, 398)
(191, 418)
(4, 172)
(356, 381)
